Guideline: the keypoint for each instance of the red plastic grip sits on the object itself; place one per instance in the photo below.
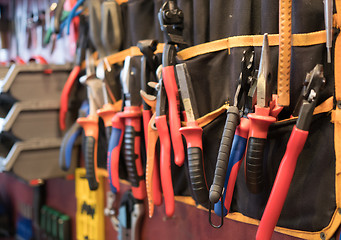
(260, 122)
(64, 98)
(132, 117)
(117, 123)
(174, 113)
(282, 183)
(165, 164)
(193, 135)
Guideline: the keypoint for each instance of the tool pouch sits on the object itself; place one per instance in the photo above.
(311, 209)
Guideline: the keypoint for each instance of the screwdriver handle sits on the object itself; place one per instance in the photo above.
(259, 125)
(232, 121)
(237, 153)
(193, 135)
(90, 126)
(165, 164)
(282, 183)
(132, 155)
(174, 113)
(114, 149)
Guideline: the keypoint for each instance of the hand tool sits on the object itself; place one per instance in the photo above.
(66, 147)
(328, 22)
(260, 121)
(132, 131)
(79, 57)
(110, 212)
(90, 123)
(171, 22)
(114, 148)
(284, 56)
(165, 148)
(228, 164)
(130, 217)
(193, 135)
(94, 7)
(111, 26)
(313, 83)
(108, 110)
(152, 167)
(149, 65)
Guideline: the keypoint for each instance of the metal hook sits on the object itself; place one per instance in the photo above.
(221, 217)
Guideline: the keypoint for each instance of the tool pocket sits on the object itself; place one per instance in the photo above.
(311, 202)
(310, 208)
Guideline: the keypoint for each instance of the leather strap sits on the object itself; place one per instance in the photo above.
(284, 56)
(298, 40)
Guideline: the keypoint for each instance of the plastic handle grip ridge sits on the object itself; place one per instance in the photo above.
(282, 183)
(232, 121)
(91, 161)
(132, 156)
(193, 135)
(114, 148)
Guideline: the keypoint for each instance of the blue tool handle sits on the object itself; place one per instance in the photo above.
(237, 153)
(232, 121)
(113, 157)
(65, 154)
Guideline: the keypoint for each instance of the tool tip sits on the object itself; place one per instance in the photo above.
(329, 55)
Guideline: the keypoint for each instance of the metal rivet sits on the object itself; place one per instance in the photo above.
(322, 236)
(339, 210)
(338, 104)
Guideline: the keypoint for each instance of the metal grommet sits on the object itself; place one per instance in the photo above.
(322, 236)
(338, 104)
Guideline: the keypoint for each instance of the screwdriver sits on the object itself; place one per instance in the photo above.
(328, 21)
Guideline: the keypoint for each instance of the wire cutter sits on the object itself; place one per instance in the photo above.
(193, 135)
(234, 137)
(90, 123)
(79, 57)
(171, 22)
(313, 84)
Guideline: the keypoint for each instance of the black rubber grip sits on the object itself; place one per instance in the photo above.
(90, 162)
(254, 164)
(108, 133)
(232, 121)
(196, 174)
(130, 156)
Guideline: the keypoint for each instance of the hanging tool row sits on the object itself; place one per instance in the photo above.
(150, 88)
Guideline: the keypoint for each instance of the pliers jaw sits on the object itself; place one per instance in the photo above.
(171, 20)
(314, 82)
(263, 78)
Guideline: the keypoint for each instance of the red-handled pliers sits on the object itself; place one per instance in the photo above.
(313, 84)
(171, 22)
(80, 56)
